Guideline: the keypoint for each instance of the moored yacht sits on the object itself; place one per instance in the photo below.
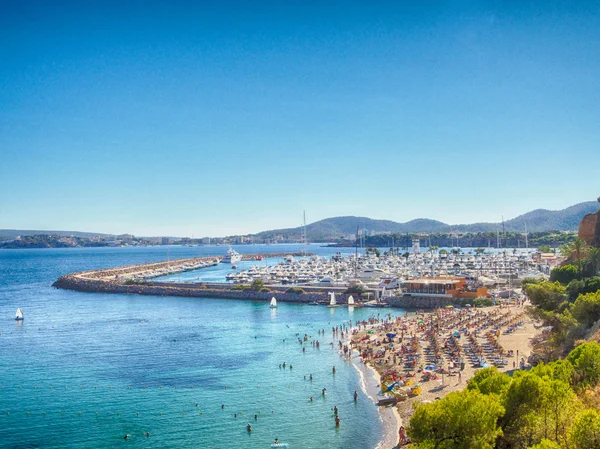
(231, 256)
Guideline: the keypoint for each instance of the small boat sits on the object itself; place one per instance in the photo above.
(273, 303)
(332, 301)
(19, 315)
(279, 445)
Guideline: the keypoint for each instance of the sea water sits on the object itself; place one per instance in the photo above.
(83, 370)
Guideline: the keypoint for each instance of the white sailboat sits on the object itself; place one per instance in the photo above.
(350, 300)
(19, 315)
(273, 303)
(332, 301)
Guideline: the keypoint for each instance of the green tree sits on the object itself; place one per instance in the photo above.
(546, 295)
(558, 370)
(577, 251)
(586, 308)
(594, 261)
(545, 444)
(585, 359)
(522, 422)
(479, 250)
(489, 381)
(578, 286)
(375, 251)
(257, 285)
(433, 249)
(564, 274)
(585, 433)
(443, 251)
(544, 249)
(464, 419)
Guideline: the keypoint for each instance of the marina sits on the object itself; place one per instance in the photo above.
(425, 279)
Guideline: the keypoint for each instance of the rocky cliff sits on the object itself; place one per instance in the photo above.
(589, 228)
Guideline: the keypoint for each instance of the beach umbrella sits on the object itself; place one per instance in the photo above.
(390, 335)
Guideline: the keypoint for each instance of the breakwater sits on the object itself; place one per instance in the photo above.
(137, 279)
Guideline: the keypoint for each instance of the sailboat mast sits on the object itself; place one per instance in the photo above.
(356, 254)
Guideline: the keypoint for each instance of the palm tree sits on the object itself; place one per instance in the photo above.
(594, 260)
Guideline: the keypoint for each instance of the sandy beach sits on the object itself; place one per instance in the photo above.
(427, 355)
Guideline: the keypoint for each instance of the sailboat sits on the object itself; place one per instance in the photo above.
(350, 300)
(19, 315)
(273, 303)
(332, 301)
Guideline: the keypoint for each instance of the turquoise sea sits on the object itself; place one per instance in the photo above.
(85, 369)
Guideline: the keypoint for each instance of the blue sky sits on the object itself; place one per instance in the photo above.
(217, 118)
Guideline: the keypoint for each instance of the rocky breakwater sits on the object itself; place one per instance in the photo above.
(134, 279)
(589, 228)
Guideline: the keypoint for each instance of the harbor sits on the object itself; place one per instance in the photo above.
(416, 279)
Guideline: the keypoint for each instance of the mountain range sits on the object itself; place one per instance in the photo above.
(333, 228)
(537, 220)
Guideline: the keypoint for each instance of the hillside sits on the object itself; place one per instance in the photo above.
(9, 234)
(536, 221)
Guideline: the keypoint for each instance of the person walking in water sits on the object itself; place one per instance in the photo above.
(355, 396)
(333, 370)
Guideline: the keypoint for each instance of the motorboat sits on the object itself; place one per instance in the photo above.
(231, 256)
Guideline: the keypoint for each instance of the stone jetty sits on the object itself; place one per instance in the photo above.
(136, 279)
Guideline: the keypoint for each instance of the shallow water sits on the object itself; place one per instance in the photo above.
(84, 369)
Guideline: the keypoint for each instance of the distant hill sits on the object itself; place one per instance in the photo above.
(10, 234)
(537, 220)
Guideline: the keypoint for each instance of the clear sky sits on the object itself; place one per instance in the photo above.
(217, 118)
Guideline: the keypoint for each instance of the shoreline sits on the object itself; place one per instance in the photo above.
(519, 339)
(370, 380)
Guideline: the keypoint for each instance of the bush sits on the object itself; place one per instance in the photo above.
(355, 289)
(546, 295)
(134, 282)
(586, 308)
(578, 286)
(264, 290)
(585, 433)
(464, 419)
(529, 281)
(295, 290)
(241, 287)
(257, 285)
(585, 359)
(564, 274)
(482, 302)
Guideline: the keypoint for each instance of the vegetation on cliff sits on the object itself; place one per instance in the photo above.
(553, 405)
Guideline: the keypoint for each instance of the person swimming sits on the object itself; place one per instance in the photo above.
(249, 428)
(337, 421)
(276, 440)
(335, 410)
(147, 434)
(126, 437)
(323, 391)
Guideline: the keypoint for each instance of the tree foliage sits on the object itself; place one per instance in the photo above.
(578, 286)
(546, 295)
(489, 381)
(586, 308)
(585, 359)
(462, 420)
(564, 274)
(585, 433)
